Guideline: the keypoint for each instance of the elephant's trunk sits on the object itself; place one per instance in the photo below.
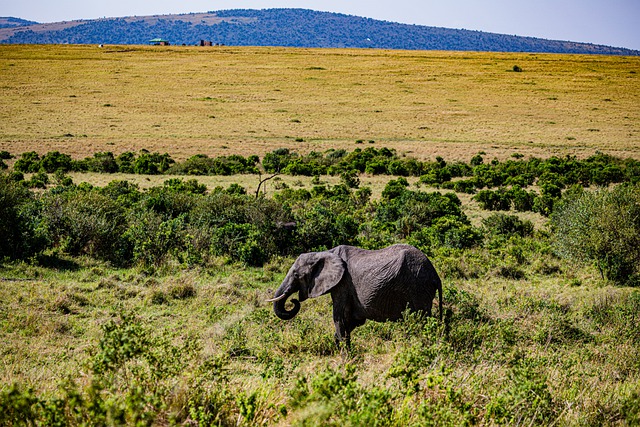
(280, 299)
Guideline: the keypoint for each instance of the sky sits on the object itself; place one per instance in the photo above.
(608, 22)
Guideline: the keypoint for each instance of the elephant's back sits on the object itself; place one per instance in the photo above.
(394, 279)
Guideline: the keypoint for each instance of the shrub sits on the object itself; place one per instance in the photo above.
(201, 164)
(277, 160)
(522, 200)
(169, 201)
(87, 222)
(436, 176)
(321, 227)
(39, 180)
(18, 407)
(449, 232)
(507, 225)
(152, 163)
(123, 192)
(467, 186)
(153, 239)
(493, 200)
(350, 178)
(410, 211)
(239, 242)
(602, 227)
(54, 161)
(476, 160)
(190, 186)
(334, 397)
(28, 162)
(394, 188)
(100, 162)
(20, 220)
(125, 162)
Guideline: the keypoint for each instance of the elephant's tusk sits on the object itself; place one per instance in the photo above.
(277, 298)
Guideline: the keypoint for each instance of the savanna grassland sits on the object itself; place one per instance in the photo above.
(187, 100)
(139, 299)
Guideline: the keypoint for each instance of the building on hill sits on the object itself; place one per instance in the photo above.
(159, 42)
(209, 43)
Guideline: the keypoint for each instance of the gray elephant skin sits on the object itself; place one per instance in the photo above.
(377, 285)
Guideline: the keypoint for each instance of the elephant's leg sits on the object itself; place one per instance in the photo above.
(344, 328)
(341, 322)
(343, 334)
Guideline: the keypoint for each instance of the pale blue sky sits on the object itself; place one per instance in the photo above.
(608, 22)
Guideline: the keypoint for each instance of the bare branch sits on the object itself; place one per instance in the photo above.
(262, 181)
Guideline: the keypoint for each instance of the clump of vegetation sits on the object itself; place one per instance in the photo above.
(602, 227)
(498, 186)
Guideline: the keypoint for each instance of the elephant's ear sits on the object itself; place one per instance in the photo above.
(328, 271)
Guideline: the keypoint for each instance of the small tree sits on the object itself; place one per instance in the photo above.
(602, 227)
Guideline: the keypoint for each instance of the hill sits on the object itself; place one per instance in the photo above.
(282, 27)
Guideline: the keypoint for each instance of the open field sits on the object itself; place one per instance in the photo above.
(186, 100)
(145, 305)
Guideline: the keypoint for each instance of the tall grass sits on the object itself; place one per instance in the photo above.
(94, 344)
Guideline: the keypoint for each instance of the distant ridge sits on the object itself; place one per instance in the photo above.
(283, 27)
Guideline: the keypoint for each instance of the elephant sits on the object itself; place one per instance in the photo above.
(364, 284)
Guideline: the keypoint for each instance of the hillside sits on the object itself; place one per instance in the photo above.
(282, 27)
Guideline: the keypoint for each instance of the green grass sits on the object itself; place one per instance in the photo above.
(558, 346)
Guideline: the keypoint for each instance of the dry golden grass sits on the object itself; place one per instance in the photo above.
(216, 101)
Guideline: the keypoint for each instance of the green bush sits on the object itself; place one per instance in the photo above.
(54, 161)
(28, 162)
(39, 180)
(277, 160)
(602, 227)
(394, 188)
(154, 240)
(334, 397)
(18, 407)
(21, 226)
(123, 192)
(100, 162)
(321, 227)
(87, 222)
(407, 211)
(493, 200)
(507, 225)
(522, 200)
(201, 164)
(169, 201)
(449, 232)
(350, 178)
(125, 162)
(152, 163)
